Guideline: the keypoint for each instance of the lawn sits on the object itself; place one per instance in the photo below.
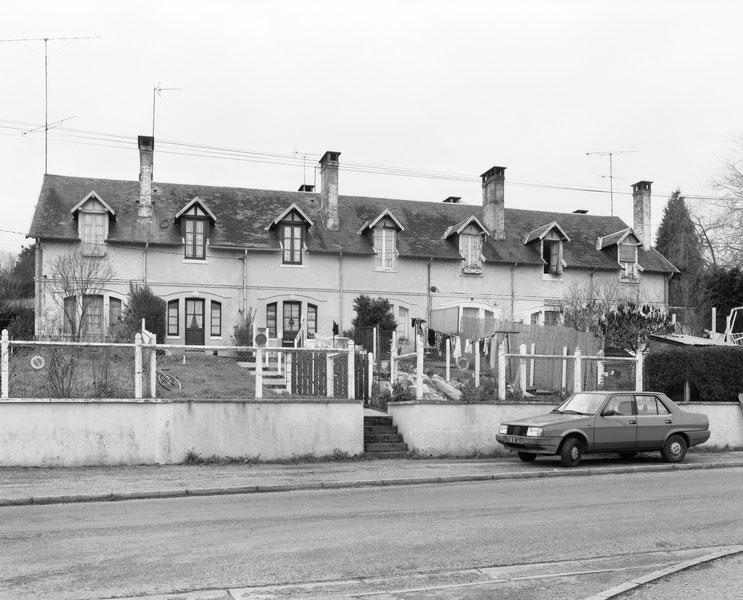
(75, 372)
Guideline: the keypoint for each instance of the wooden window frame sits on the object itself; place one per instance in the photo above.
(173, 304)
(292, 231)
(272, 318)
(311, 319)
(215, 332)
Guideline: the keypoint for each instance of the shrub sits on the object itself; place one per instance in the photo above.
(715, 373)
(143, 304)
(242, 334)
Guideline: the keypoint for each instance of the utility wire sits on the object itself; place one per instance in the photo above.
(176, 148)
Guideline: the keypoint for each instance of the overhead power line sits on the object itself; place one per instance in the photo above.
(189, 149)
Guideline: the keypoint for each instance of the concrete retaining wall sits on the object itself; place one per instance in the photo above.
(67, 433)
(454, 429)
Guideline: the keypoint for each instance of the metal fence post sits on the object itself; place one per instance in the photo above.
(393, 357)
(288, 368)
(522, 368)
(258, 373)
(564, 369)
(351, 371)
(448, 360)
(370, 375)
(477, 363)
(599, 370)
(153, 370)
(4, 367)
(502, 370)
(638, 371)
(138, 366)
(531, 365)
(419, 368)
(577, 379)
(329, 379)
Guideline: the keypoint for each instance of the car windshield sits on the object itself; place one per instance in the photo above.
(582, 404)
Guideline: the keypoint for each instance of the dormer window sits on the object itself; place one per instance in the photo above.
(549, 240)
(623, 245)
(291, 227)
(470, 248)
(93, 233)
(291, 231)
(383, 229)
(385, 247)
(628, 261)
(196, 221)
(93, 216)
(470, 233)
(552, 257)
(194, 228)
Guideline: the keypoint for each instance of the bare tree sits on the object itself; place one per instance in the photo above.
(584, 305)
(75, 283)
(720, 220)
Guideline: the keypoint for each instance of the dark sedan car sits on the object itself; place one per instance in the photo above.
(622, 422)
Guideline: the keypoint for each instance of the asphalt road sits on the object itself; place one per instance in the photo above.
(158, 546)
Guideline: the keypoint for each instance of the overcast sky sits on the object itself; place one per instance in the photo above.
(440, 86)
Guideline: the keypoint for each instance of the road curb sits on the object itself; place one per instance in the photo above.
(263, 489)
(623, 588)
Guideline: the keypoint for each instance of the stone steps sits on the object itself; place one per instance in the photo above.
(381, 439)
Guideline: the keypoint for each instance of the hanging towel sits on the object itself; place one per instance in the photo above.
(457, 348)
(468, 346)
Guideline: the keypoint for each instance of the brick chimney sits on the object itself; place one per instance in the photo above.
(641, 206)
(329, 189)
(146, 150)
(493, 202)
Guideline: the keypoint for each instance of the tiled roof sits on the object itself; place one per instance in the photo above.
(243, 215)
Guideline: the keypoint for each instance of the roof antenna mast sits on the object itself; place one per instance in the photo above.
(46, 41)
(158, 89)
(610, 154)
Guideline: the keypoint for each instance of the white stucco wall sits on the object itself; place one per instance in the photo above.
(454, 429)
(47, 433)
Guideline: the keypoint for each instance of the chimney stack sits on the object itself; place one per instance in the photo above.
(329, 189)
(146, 150)
(641, 206)
(493, 202)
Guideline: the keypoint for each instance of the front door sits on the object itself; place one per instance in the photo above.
(195, 321)
(292, 321)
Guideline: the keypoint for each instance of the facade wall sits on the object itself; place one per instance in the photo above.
(329, 282)
(58, 433)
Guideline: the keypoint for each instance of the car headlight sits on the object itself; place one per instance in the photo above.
(534, 432)
(503, 429)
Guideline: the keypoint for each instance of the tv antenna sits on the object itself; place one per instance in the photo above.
(304, 156)
(46, 41)
(610, 154)
(158, 91)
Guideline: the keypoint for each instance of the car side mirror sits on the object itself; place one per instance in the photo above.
(609, 413)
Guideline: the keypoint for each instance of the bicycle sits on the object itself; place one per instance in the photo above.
(168, 381)
(165, 379)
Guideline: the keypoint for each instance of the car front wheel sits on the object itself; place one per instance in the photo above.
(571, 452)
(527, 456)
(674, 450)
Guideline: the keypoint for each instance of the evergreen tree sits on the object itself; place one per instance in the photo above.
(679, 241)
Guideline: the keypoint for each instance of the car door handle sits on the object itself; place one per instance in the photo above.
(669, 421)
(633, 421)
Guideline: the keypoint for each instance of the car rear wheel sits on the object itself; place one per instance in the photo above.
(571, 452)
(527, 456)
(674, 450)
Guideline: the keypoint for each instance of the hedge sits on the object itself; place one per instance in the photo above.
(715, 373)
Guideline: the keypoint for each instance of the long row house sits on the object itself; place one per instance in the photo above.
(301, 258)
